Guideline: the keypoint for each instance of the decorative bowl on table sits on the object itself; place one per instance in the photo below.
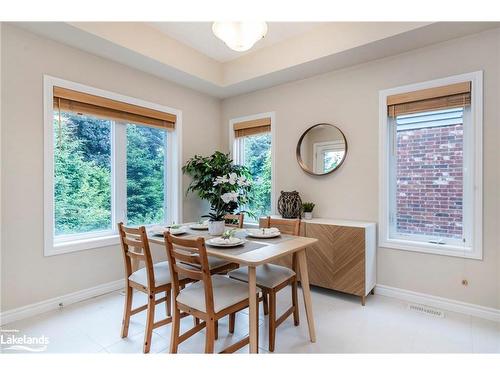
(263, 232)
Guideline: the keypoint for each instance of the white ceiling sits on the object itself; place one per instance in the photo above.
(198, 35)
(314, 50)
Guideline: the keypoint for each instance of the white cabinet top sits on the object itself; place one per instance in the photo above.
(339, 222)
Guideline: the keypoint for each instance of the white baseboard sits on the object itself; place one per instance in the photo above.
(24, 312)
(383, 290)
(439, 302)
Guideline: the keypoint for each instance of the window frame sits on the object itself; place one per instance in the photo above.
(320, 147)
(92, 240)
(473, 179)
(236, 150)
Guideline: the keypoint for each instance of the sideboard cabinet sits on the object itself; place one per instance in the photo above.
(344, 258)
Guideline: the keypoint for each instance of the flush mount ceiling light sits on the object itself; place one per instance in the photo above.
(239, 36)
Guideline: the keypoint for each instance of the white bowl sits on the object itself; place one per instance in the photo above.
(263, 232)
(225, 242)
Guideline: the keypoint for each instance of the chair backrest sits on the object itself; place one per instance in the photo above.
(183, 252)
(135, 245)
(235, 221)
(286, 226)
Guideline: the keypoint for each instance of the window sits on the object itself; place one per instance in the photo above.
(82, 174)
(327, 155)
(146, 160)
(108, 159)
(252, 147)
(431, 171)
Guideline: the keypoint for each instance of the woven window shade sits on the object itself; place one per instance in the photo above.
(433, 99)
(252, 127)
(66, 100)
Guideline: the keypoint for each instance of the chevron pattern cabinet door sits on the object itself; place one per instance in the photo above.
(337, 261)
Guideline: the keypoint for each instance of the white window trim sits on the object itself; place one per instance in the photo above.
(475, 248)
(319, 147)
(236, 151)
(118, 169)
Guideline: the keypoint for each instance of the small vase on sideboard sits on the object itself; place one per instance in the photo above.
(308, 208)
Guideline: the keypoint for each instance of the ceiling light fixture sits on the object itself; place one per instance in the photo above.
(239, 36)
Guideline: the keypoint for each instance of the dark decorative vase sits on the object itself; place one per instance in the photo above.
(290, 205)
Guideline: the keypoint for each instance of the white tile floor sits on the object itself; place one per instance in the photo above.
(384, 325)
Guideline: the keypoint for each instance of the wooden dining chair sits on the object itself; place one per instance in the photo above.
(235, 221)
(221, 266)
(209, 300)
(152, 279)
(272, 278)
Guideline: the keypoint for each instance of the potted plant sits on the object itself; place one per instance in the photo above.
(224, 185)
(308, 208)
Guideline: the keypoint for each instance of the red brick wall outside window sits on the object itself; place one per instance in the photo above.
(429, 187)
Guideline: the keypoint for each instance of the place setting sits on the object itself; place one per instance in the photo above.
(227, 239)
(263, 233)
(174, 229)
(199, 225)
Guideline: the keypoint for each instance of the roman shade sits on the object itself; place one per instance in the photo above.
(67, 100)
(433, 99)
(251, 127)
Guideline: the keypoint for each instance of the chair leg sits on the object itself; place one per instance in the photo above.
(168, 302)
(272, 320)
(295, 303)
(174, 335)
(216, 329)
(196, 321)
(266, 305)
(232, 318)
(210, 336)
(149, 323)
(126, 311)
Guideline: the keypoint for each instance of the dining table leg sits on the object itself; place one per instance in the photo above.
(306, 292)
(253, 310)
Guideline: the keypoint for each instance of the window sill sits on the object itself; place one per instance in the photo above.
(58, 248)
(427, 248)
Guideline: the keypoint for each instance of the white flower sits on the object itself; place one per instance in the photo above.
(242, 181)
(220, 180)
(228, 197)
(232, 178)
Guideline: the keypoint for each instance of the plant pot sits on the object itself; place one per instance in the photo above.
(216, 228)
(308, 215)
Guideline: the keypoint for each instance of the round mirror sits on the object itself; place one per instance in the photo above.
(321, 149)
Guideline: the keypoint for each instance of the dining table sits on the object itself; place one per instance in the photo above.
(253, 253)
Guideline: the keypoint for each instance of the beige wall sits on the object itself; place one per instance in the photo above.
(28, 276)
(349, 99)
